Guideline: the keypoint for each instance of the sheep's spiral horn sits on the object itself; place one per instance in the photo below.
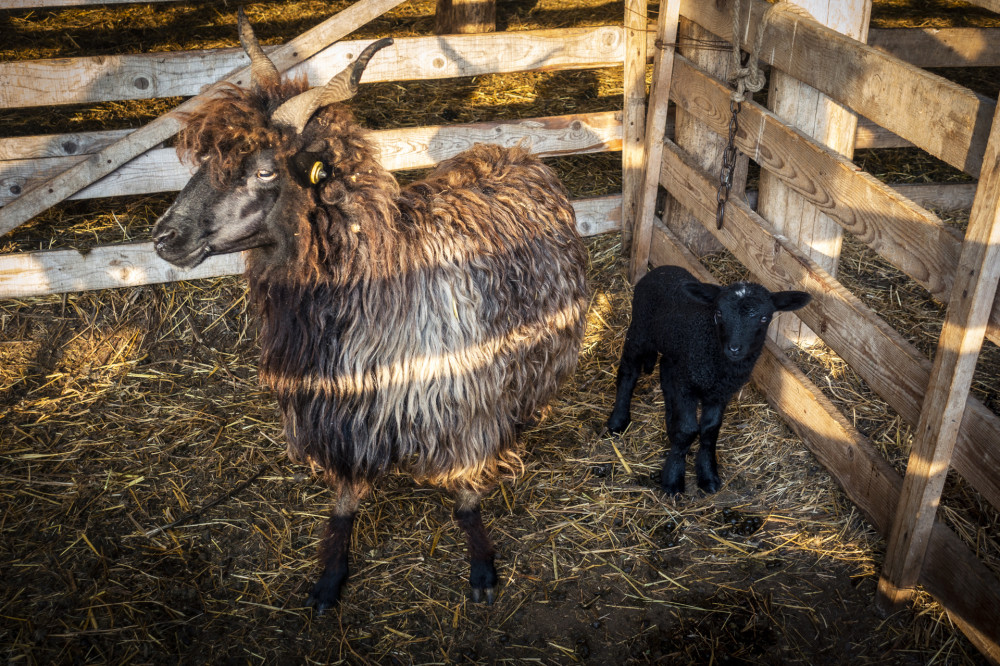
(262, 70)
(297, 111)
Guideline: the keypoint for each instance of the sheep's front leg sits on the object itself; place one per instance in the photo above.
(482, 573)
(705, 464)
(682, 429)
(334, 548)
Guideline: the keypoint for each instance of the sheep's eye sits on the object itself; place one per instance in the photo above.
(266, 175)
(764, 319)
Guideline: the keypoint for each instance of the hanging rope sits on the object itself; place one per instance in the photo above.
(746, 78)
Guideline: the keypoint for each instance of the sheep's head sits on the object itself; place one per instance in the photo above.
(258, 157)
(742, 312)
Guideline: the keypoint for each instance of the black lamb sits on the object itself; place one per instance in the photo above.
(708, 339)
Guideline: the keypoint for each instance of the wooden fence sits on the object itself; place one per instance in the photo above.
(900, 105)
(948, 121)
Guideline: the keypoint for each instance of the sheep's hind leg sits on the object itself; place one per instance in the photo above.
(682, 429)
(333, 550)
(628, 374)
(482, 573)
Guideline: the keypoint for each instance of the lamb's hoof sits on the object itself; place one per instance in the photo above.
(616, 425)
(325, 593)
(710, 485)
(671, 484)
(483, 579)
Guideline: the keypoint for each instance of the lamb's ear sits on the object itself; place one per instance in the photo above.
(790, 300)
(699, 292)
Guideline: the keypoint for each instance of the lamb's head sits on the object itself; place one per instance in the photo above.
(742, 312)
(262, 153)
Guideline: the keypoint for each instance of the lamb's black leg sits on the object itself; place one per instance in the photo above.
(482, 573)
(705, 465)
(682, 428)
(628, 374)
(334, 548)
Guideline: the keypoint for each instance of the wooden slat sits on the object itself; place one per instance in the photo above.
(656, 125)
(406, 148)
(945, 119)
(465, 16)
(910, 237)
(634, 113)
(940, 47)
(39, 273)
(968, 590)
(992, 5)
(893, 367)
(183, 73)
(943, 196)
(948, 389)
(101, 164)
(832, 125)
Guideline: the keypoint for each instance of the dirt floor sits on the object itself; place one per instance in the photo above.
(150, 515)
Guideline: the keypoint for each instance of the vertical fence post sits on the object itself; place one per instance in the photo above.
(819, 116)
(948, 388)
(633, 114)
(464, 16)
(656, 125)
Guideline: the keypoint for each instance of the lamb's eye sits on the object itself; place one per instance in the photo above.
(266, 175)
(764, 319)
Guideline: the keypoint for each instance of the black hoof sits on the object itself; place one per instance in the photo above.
(484, 581)
(710, 485)
(672, 484)
(325, 593)
(617, 424)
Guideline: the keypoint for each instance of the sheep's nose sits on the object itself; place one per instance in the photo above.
(735, 349)
(163, 237)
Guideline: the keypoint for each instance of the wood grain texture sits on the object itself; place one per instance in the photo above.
(893, 367)
(656, 125)
(958, 349)
(940, 47)
(39, 273)
(183, 73)
(945, 119)
(100, 164)
(159, 170)
(965, 587)
(634, 113)
(465, 16)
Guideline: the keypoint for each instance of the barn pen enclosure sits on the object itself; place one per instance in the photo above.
(149, 513)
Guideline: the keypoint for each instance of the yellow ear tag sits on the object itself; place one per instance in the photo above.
(317, 173)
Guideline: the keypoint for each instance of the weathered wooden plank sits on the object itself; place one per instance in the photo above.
(695, 137)
(893, 367)
(656, 125)
(945, 119)
(634, 113)
(992, 5)
(832, 125)
(129, 265)
(910, 237)
(940, 196)
(958, 349)
(159, 170)
(106, 161)
(183, 73)
(968, 591)
(940, 47)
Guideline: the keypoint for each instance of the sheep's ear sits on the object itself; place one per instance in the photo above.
(790, 300)
(699, 292)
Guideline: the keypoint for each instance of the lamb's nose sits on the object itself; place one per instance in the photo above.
(164, 237)
(735, 349)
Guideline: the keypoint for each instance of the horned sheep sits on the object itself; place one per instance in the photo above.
(707, 339)
(417, 328)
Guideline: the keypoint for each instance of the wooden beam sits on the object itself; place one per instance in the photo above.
(634, 114)
(910, 237)
(698, 139)
(963, 585)
(656, 125)
(948, 388)
(893, 367)
(940, 47)
(832, 125)
(465, 16)
(182, 73)
(945, 119)
(992, 5)
(107, 160)
(44, 272)
(405, 148)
